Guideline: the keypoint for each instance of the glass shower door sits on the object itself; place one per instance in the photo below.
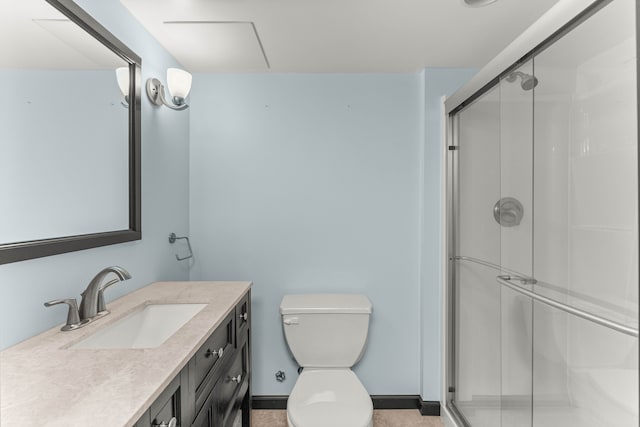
(477, 299)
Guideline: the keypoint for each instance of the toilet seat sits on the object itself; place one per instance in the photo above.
(329, 397)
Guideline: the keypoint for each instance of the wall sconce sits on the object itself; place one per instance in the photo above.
(179, 85)
(122, 76)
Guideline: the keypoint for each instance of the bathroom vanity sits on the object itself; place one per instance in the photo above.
(199, 376)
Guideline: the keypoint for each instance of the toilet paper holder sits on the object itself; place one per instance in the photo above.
(173, 238)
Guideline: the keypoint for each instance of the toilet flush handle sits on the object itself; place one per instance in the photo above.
(291, 321)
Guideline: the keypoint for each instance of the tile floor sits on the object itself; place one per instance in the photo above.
(381, 418)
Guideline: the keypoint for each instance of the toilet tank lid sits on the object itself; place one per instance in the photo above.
(325, 303)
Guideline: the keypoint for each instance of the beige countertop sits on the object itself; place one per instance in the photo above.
(44, 383)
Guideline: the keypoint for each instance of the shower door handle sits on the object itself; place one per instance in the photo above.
(522, 279)
(625, 329)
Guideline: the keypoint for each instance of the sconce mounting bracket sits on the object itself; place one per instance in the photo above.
(154, 88)
(155, 92)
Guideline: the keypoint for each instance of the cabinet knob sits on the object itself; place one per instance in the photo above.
(218, 352)
(237, 379)
(173, 422)
(243, 316)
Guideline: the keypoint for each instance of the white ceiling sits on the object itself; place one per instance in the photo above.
(333, 36)
(35, 35)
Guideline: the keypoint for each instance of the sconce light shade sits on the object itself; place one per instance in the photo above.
(122, 75)
(179, 83)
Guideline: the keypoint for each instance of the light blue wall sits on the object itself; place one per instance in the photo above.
(438, 82)
(302, 183)
(25, 285)
(310, 183)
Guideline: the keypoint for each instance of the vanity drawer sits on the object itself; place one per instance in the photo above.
(243, 316)
(209, 355)
(229, 392)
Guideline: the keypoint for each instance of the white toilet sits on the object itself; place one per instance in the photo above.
(327, 334)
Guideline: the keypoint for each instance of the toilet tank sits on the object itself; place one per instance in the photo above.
(326, 330)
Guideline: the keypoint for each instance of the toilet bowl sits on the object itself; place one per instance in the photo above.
(327, 335)
(329, 397)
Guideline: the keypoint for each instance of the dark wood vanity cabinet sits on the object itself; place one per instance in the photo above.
(213, 390)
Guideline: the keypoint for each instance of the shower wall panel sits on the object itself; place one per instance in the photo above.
(586, 216)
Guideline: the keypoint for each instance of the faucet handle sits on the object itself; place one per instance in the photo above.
(73, 318)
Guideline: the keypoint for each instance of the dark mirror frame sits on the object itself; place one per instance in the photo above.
(19, 251)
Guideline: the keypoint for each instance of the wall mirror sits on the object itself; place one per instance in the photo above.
(70, 145)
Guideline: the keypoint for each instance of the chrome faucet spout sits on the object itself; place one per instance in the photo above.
(90, 296)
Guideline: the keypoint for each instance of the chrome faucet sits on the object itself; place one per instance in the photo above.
(93, 299)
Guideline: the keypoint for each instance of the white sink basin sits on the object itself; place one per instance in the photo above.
(148, 327)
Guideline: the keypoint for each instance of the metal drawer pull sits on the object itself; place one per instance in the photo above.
(237, 379)
(173, 422)
(243, 316)
(218, 353)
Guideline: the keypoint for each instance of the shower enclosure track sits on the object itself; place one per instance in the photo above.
(505, 280)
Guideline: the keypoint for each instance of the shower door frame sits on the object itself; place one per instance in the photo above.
(542, 34)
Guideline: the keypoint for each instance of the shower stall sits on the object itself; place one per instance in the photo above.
(542, 269)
